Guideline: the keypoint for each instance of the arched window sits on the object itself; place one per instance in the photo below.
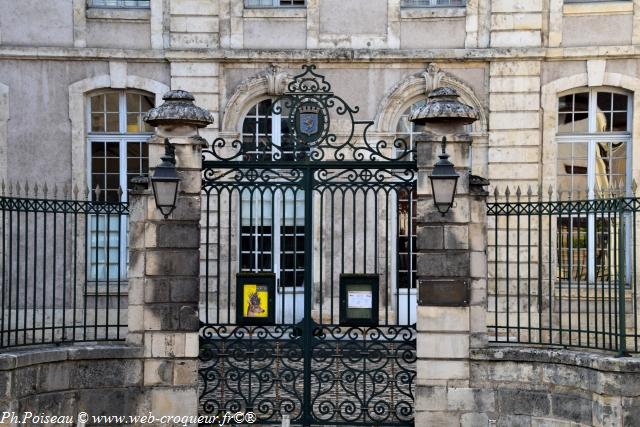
(593, 159)
(272, 219)
(594, 142)
(117, 142)
(117, 152)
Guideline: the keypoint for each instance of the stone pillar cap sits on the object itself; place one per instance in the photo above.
(444, 107)
(178, 109)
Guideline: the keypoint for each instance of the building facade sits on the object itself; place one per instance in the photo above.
(553, 83)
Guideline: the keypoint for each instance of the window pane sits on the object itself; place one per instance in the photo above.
(620, 102)
(113, 102)
(133, 103)
(619, 122)
(132, 123)
(604, 101)
(147, 103)
(97, 122)
(580, 122)
(97, 103)
(113, 122)
(565, 103)
(581, 102)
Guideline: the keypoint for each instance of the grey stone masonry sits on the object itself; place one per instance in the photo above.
(450, 247)
(164, 266)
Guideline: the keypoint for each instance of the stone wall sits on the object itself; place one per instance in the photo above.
(542, 387)
(97, 379)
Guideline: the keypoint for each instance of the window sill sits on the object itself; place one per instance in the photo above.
(101, 289)
(275, 12)
(119, 14)
(432, 12)
(598, 8)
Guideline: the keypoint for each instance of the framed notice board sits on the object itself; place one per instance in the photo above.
(359, 299)
(255, 298)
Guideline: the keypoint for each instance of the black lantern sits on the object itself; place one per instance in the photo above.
(165, 180)
(444, 180)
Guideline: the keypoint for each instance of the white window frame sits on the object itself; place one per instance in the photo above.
(431, 4)
(122, 138)
(271, 4)
(276, 235)
(119, 4)
(592, 138)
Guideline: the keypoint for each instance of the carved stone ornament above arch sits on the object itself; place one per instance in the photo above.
(271, 82)
(419, 85)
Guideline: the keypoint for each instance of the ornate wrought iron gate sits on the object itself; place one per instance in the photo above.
(309, 267)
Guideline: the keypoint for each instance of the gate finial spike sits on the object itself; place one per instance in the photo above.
(75, 191)
(2, 187)
(35, 190)
(634, 186)
(45, 189)
(86, 193)
(550, 192)
(97, 191)
(518, 193)
(119, 193)
(26, 188)
(529, 192)
(65, 190)
(18, 189)
(54, 194)
(496, 193)
(11, 188)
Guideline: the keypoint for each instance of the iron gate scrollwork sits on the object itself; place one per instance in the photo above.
(308, 198)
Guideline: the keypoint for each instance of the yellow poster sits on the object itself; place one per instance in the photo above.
(256, 298)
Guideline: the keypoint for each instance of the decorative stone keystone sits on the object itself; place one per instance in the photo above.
(451, 262)
(165, 262)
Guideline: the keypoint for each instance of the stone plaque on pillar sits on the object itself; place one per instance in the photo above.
(443, 293)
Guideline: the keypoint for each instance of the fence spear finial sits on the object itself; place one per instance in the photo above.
(529, 193)
(54, 192)
(550, 192)
(496, 193)
(507, 193)
(65, 190)
(634, 186)
(75, 191)
(119, 193)
(26, 188)
(518, 193)
(97, 191)
(45, 189)
(18, 189)
(2, 187)
(35, 190)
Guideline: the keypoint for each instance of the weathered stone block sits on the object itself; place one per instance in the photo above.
(468, 399)
(25, 381)
(431, 398)
(514, 421)
(107, 373)
(442, 319)
(474, 420)
(572, 407)
(443, 345)
(188, 318)
(174, 401)
(445, 370)
(158, 372)
(55, 376)
(110, 401)
(185, 372)
(456, 237)
(173, 235)
(443, 265)
(524, 402)
(172, 263)
(430, 237)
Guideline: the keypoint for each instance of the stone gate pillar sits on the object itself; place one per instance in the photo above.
(164, 264)
(451, 271)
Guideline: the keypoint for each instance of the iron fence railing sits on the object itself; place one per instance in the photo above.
(563, 272)
(63, 267)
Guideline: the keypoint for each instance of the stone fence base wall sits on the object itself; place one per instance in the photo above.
(541, 387)
(63, 381)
